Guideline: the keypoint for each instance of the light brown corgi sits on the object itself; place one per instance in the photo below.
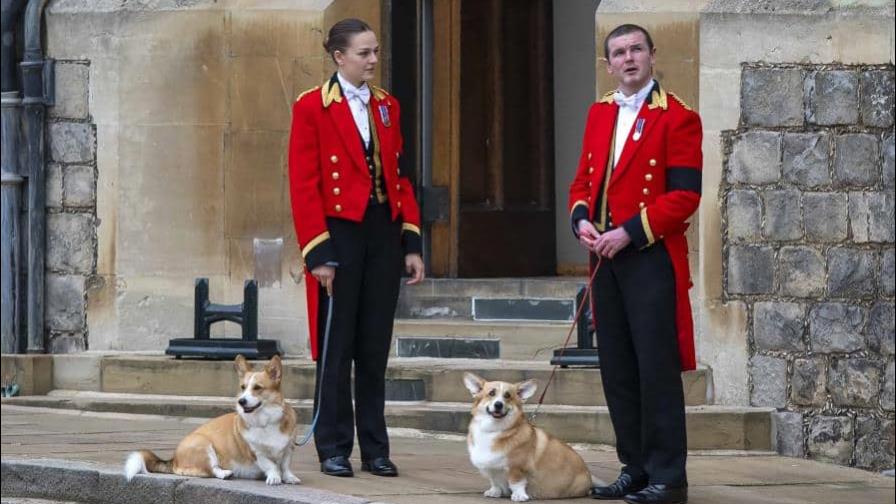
(254, 442)
(519, 459)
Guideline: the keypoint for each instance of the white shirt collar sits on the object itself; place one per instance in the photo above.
(636, 100)
(350, 90)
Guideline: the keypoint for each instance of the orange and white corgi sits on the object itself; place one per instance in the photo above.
(519, 459)
(254, 442)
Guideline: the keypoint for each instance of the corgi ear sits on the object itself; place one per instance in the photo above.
(473, 383)
(274, 369)
(242, 366)
(526, 389)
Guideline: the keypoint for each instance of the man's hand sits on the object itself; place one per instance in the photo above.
(413, 263)
(611, 242)
(587, 234)
(325, 275)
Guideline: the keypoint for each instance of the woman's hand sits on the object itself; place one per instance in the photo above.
(413, 264)
(325, 275)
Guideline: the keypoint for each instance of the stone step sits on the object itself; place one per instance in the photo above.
(544, 299)
(436, 380)
(709, 427)
(536, 287)
(511, 340)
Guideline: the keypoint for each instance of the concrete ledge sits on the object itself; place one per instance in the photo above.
(33, 372)
(86, 482)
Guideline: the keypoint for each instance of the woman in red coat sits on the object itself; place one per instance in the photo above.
(358, 225)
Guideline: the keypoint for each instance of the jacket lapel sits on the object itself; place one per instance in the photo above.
(650, 114)
(341, 115)
(382, 132)
(604, 134)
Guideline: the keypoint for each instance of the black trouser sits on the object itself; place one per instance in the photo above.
(365, 293)
(634, 304)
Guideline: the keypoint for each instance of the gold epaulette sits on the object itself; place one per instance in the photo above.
(303, 93)
(680, 101)
(330, 92)
(379, 93)
(607, 97)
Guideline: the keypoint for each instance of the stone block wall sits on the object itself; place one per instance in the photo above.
(808, 239)
(71, 209)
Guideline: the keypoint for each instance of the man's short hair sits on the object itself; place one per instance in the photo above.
(625, 29)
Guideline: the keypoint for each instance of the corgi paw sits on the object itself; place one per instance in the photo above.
(291, 479)
(493, 492)
(223, 473)
(273, 479)
(519, 497)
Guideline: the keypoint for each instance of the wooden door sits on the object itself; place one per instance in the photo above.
(493, 138)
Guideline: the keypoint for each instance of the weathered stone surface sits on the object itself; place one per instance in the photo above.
(880, 328)
(874, 443)
(888, 155)
(801, 271)
(887, 389)
(772, 97)
(751, 270)
(807, 387)
(783, 217)
(850, 272)
(67, 344)
(80, 186)
(824, 215)
(806, 158)
(70, 243)
(871, 217)
(54, 186)
(769, 379)
(888, 272)
(831, 439)
(855, 160)
(877, 98)
(833, 97)
(778, 326)
(836, 327)
(71, 91)
(789, 438)
(744, 216)
(72, 142)
(755, 158)
(65, 302)
(854, 382)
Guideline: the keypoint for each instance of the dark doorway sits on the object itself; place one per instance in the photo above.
(506, 189)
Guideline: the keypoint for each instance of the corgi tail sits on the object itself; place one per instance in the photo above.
(595, 481)
(144, 462)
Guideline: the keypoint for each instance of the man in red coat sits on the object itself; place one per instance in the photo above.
(638, 180)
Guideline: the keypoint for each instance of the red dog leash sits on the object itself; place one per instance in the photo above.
(572, 327)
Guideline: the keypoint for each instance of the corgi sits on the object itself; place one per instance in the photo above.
(254, 442)
(519, 459)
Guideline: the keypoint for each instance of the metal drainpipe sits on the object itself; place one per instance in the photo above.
(11, 285)
(11, 292)
(34, 105)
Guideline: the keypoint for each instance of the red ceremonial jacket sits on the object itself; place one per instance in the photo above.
(329, 175)
(653, 189)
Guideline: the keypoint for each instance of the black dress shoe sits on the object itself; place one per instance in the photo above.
(623, 486)
(337, 466)
(380, 466)
(659, 494)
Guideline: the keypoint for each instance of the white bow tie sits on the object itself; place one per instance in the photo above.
(626, 101)
(363, 93)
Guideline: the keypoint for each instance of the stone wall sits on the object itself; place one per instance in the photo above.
(808, 244)
(71, 209)
(168, 148)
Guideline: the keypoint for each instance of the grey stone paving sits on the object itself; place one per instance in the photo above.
(434, 469)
